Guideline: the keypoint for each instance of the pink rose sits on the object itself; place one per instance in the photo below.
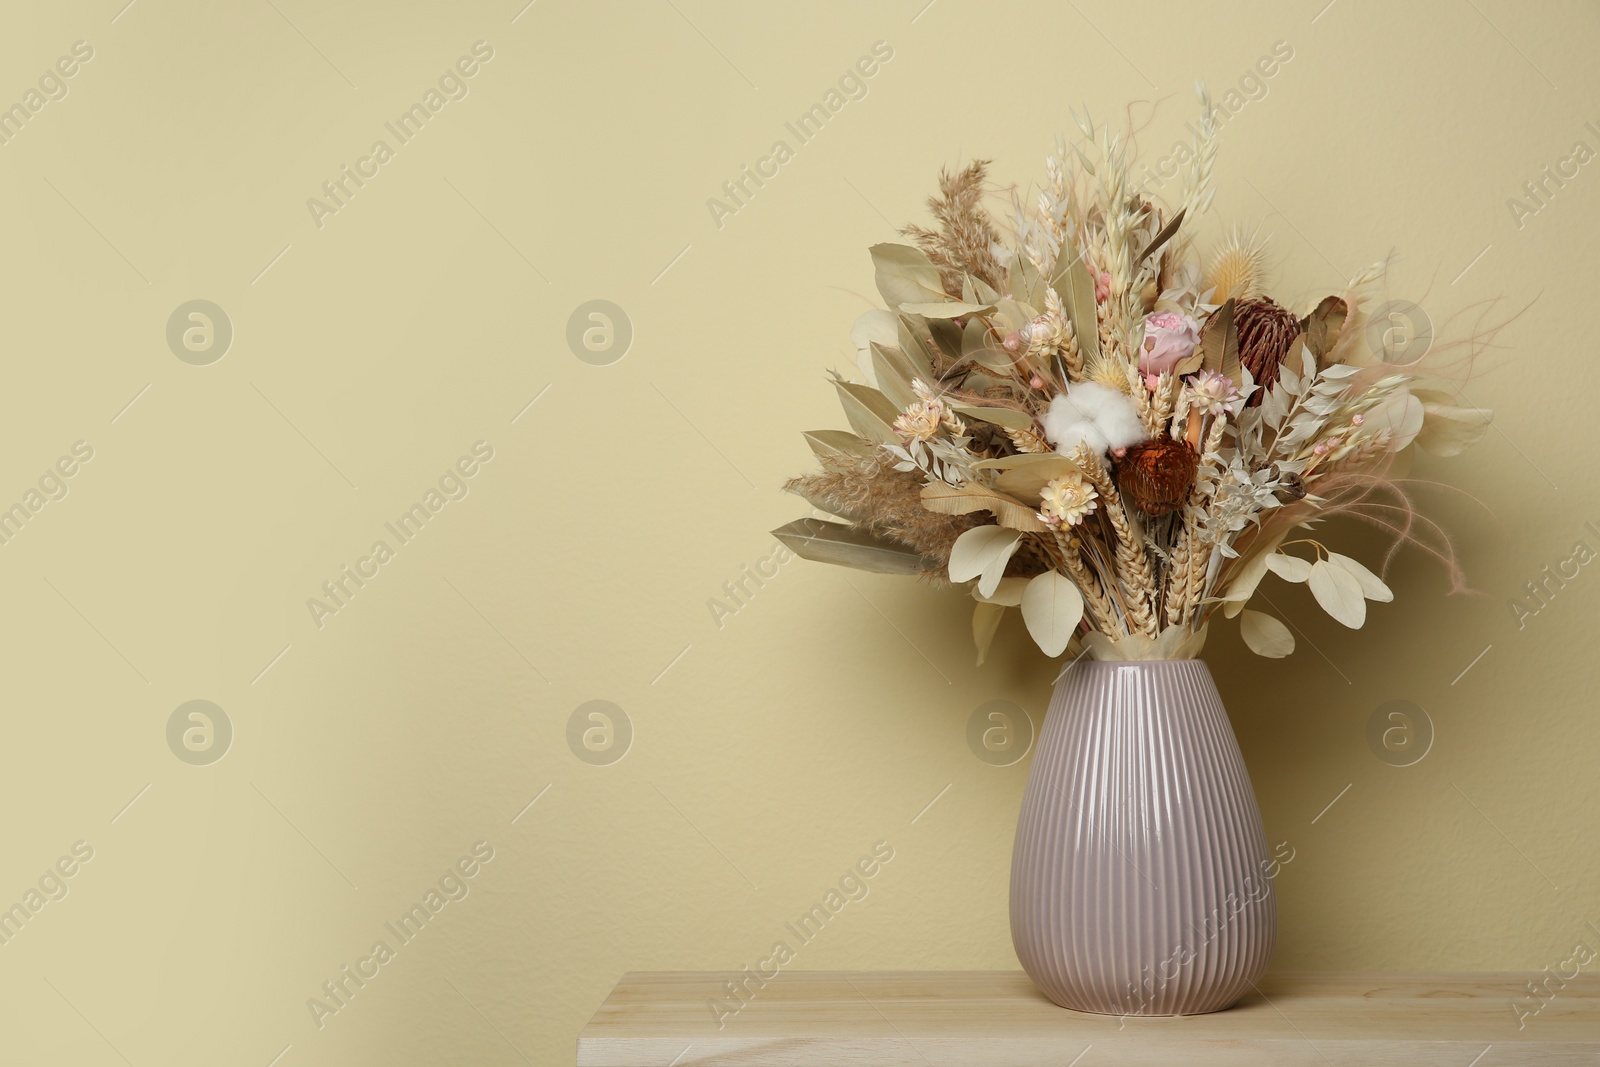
(1169, 339)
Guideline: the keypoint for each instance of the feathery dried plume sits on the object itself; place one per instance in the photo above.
(966, 239)
(1238, 266)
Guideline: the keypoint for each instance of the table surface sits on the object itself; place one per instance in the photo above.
(981, 1018)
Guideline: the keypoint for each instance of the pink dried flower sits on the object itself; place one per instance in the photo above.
(1169, 339)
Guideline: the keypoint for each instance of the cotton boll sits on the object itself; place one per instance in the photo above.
(1103, 417)
(1075, 433)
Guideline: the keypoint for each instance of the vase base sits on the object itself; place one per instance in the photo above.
(1143, 1014)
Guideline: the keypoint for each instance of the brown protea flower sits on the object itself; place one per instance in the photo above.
(1265, 333)
(1156, 475)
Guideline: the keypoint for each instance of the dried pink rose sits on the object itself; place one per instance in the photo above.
(1169, 339)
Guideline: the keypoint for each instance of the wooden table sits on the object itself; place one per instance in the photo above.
(982, 1018)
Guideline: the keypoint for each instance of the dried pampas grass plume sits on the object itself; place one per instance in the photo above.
(966, 239)
(870, 492)
(1238, 266)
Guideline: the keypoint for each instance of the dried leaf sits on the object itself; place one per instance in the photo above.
(1448, 430)
(825, 443)
(905, 275)
(878, 326)
(1052, 608)
(965, 499)
(1265, 635)
(870, 413)
(945, 310)
(848, 546)
(982, 552)
(1008, 594)
(985, 621)
(1010, 418)
(1321, 328)
(1026, 284)
(1242, 586)
(978, 346)
(1402, 415)
(1076, 290)
(917, 345)
(1289, 568)
(1161, 238)
(1372, 586)
(1337, 590)
(1220, 342)
(1026, 478)
(1191, 363)
(893, 376)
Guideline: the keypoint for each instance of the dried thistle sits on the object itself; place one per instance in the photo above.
(1266, 333)
(1156, 475)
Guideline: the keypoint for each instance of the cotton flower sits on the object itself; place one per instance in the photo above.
(1067, 500)
(1211, 393)
(1169, 339)
(1104, 418)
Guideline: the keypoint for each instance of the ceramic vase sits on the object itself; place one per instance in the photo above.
(1140, 878)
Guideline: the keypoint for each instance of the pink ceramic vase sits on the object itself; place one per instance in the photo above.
(1140, 879)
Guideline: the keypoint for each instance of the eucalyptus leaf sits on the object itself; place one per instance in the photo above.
(1339, 593)
(1007, 594)
(905, 275)
(1289, 568)
(985, 621)
(978, 346)
(848, 546)
(945, 336)
(916, 344)
(1265, 635)
(892, 372)
(1372, 586)
(1026, 283)
(878, 326)
(1052, 608)
(983, 552)
(1242, 586)
(825, 443)
(870, 413)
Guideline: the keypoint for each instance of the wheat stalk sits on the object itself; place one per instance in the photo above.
(1133, 563)
(1105, 615)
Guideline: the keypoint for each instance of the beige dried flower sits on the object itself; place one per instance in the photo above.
(920, 421)
(1211, 393)
(1067, 500)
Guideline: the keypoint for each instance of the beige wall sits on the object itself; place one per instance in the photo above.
(771, 752)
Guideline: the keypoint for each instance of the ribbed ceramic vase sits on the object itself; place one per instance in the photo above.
(1139, 881)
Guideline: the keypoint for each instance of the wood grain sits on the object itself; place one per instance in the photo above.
(983, 1018)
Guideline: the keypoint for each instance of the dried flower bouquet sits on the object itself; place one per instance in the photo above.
(1085, 418)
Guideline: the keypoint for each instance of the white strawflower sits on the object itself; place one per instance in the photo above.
(1211, 393)
(920, 421)
(1067, 500)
